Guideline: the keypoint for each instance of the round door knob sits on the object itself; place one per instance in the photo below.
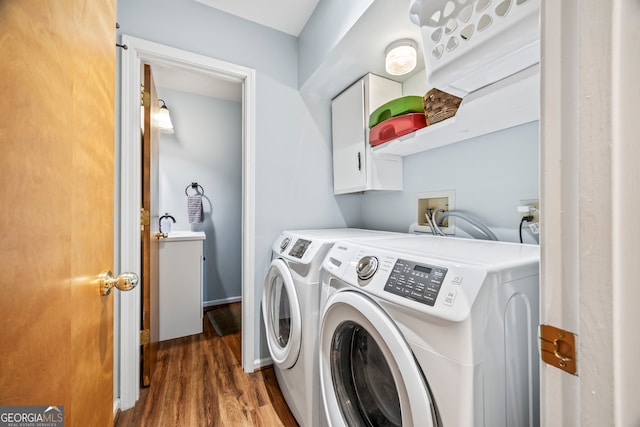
(124, 282)
(367, 267)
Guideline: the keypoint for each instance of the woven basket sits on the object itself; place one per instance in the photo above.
(439, 105)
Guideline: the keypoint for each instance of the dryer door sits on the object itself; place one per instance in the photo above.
(368, 373)
(281, 313)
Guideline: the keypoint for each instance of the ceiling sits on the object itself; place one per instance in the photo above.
(288, 16)
(360, 51)
(185, 80)
(265, 12)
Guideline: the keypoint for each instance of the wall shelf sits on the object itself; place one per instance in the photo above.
(510, 102)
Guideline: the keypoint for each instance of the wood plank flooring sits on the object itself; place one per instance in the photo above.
(199, 381)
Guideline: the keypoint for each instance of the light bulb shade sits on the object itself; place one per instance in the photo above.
(401, 57)
(164, 119)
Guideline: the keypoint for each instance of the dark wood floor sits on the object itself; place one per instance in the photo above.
(199, 381)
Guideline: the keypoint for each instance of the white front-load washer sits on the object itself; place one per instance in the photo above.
(290, 308)
(430, 331)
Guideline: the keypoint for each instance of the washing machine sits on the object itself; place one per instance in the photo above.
(290, 308)
(430, 331)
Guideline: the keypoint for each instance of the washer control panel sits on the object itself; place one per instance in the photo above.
(418, 282)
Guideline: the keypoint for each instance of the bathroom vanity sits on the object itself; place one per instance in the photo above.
(181, 280)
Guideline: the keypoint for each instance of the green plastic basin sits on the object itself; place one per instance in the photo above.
(396, 107)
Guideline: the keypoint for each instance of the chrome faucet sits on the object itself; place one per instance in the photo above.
(166, 215)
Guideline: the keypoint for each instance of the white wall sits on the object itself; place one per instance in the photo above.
(293, 140)
(329, 23)
(590, 179)
(416, 85)
(490, 175)
(206, 148)
(293, 146)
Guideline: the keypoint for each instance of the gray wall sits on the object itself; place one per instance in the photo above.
(293, 145)
(293, 140)
(206, 148)
(490, 175)
(329, 23)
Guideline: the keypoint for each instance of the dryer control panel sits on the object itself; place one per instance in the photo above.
(418, 282)
(299, 248)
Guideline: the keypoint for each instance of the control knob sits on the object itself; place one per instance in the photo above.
(367, 267)
(285, 243)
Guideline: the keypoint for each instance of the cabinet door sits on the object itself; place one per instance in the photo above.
(348, 132)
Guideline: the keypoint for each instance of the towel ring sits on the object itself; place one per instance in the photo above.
(195, 186)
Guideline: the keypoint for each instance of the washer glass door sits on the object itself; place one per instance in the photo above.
(368, 374)
(281, 313)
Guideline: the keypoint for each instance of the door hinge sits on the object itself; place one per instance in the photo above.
(558, 348)
(145, 218)
(145, 99)
(144, 337)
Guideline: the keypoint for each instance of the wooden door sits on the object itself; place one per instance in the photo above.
(57, 235)
(149, 233)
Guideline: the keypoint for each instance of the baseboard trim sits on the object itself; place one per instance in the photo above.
(221, 301)
(116, 411)
(259, 364)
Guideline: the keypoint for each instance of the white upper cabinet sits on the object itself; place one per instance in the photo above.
(355, 168)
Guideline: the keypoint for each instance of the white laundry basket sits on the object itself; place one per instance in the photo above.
(469, 44)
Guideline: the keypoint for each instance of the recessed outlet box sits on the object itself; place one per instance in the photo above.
(534, 209)
(430, 202)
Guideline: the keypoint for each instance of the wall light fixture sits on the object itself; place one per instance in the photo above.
(164, 119)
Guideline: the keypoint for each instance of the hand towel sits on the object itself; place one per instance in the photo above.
(194, 209)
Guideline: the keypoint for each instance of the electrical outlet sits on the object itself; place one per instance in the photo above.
(530, 207)
(432, 201)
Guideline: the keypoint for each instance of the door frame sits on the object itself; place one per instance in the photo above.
(588, 156)
(141, 51)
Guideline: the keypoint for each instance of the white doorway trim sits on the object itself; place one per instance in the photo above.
(589, 194)
(141, 51)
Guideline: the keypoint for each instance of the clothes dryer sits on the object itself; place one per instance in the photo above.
(430, 331)
(290, 308)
